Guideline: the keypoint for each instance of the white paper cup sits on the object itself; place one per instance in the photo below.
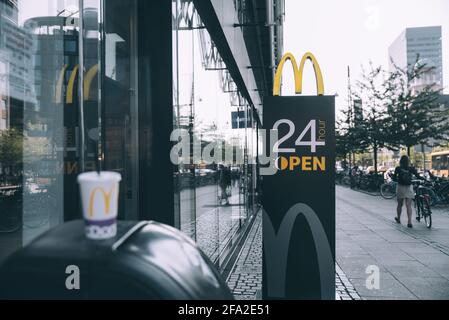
(99, 199)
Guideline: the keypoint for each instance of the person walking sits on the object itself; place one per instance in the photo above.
(225, 182)
(353, 176)
(403, 175)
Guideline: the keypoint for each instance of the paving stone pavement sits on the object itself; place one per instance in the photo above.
(344, 290)
(215, 225)
(245, 280)
(412, 263)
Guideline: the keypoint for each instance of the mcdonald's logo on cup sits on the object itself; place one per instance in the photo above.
(99, 199)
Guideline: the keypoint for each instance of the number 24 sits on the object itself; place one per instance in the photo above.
(313, 143)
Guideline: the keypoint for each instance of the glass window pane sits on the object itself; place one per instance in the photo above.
(214, 185)
(40, 134)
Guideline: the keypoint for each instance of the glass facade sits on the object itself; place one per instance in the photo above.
(40, 133)
(71, 81)
(215, 198)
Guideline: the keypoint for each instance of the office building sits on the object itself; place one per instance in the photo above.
(422, 42)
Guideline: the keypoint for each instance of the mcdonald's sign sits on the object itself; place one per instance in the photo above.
(299, 199)
(70, 89)
(298, 72)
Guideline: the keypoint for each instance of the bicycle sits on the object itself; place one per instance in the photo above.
(422, 203)
(439, 192)
(369, 181)
(388, 190)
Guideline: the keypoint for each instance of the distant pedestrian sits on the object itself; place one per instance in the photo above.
(225, 182)
(403, 175)
(353, 176)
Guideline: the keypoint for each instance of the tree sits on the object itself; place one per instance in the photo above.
(414, 115)
(349, 135)
(343, 144)
(10, 147)
(371, 129)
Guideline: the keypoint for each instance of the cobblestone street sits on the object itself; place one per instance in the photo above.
(245, 280)
(215, 225)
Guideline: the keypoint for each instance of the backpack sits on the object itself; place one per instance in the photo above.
(404, 177)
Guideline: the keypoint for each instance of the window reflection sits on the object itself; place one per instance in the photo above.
(39, 116)
(214, 199)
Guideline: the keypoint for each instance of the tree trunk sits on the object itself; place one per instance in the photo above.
(409, 151)
(375, 159)
(423, 150)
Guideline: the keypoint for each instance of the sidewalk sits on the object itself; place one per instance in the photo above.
(413, 263)
(245, 280)
(215, 225)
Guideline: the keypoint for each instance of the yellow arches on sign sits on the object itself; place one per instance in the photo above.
(69, 97)
(58, 92)
(88, 78)
(90, 75)
(298, 72)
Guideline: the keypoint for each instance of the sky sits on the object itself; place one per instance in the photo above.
(342, 33)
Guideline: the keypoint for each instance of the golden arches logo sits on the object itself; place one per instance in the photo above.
(88, 78)
(107, 195)
(298, 72)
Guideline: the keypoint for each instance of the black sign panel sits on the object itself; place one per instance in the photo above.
(299, 200)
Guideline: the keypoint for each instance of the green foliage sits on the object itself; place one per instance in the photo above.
(396, 112)
(10, 147)
(413, 116)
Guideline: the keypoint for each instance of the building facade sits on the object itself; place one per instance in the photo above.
(424, 44)
(106, 83)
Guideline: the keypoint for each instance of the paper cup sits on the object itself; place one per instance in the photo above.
(99, 199)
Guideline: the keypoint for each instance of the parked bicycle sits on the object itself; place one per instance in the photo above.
(422, 202)
(439, 191)
(388, 190)
(369, 182)
(343, 178)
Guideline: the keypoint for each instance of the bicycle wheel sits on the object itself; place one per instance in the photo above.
(418, 207)
(427, 213)
(432, 195)
(387, 191)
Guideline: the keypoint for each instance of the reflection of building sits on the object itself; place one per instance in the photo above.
(53, 120)
(15, 63)
(4, 93)
(9, 9)
(424, 42)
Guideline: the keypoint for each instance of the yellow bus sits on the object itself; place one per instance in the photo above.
(440, 163)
